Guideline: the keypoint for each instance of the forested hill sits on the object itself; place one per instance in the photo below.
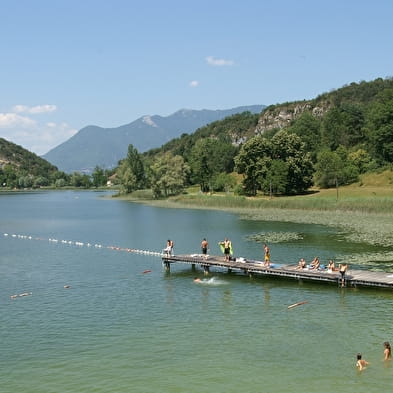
(233, 130)
(21, 169)
(327, 141)
(350, 101)
(340, 117)
(23, 160)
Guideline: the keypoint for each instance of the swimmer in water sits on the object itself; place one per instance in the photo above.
(197, 279)
(361, 363)
(387, 352)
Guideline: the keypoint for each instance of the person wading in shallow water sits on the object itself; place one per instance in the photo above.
(387, 352)
(361, 363)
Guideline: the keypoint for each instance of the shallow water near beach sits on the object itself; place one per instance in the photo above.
(97, 318)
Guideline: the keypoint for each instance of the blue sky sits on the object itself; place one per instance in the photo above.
(66, 64)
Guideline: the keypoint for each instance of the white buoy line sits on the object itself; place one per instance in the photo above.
(83, 244)
(79, 244)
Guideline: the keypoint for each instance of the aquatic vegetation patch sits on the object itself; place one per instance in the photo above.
(375, 229)
(274, 237)
(380, 261)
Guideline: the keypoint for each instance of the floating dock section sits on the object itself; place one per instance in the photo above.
(353, 278)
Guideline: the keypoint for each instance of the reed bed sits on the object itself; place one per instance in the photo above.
(307, 202)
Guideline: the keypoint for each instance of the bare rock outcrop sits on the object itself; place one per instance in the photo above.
(281, 116)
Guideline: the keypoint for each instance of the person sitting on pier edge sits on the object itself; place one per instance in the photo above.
(331, 268)
(226, 244)
(315, 264)
(204, 247)
(343, 267)
(266, 251)
(302, 264)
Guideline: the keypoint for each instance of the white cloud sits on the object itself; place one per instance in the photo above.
(194, 83)
(14, 120)
(37, 137)
(50, 136)
(34, 109)
(218, 62)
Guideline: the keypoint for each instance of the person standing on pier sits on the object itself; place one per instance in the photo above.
(343, 267)
(204, 247)
(226, 245)
(266, 251)
(169, 248)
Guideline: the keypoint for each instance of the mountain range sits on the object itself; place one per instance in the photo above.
(97, 146)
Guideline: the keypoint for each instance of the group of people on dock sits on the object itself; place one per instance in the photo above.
(361, 364)
(226, 247)
(315, 264)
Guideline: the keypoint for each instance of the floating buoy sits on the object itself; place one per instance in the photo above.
(146, 271)
(67, 286)
(297, 304)
(83, 244)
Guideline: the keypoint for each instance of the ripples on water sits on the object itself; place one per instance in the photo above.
(118, 329)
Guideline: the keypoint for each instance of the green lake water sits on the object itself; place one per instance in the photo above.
(117, 329)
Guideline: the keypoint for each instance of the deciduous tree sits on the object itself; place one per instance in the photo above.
(131, 171)
(169, 174)
(261, 161)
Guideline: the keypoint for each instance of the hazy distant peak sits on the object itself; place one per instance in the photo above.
(105, 147)
(149, 121)
(184, 112)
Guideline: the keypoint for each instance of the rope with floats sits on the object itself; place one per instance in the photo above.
(79, 244)
(83, 244)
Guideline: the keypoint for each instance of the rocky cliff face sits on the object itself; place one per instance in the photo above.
(281, 116)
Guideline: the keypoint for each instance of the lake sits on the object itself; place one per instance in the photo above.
(93, 321)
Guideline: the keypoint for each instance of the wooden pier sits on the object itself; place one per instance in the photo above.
(353, 278)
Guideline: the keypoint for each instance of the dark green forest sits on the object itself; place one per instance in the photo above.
(328, 141)
(20, 169)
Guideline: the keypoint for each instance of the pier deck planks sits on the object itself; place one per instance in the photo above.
(352, 278)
